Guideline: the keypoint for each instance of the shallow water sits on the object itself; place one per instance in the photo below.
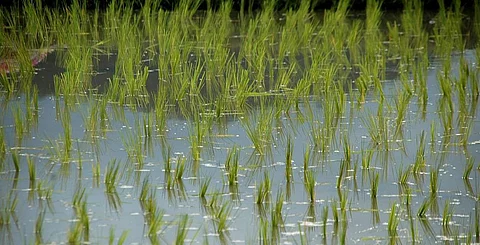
(367, 217)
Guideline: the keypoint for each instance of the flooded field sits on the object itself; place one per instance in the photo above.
(138, 126)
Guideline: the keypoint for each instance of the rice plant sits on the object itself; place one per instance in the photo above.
(31, 169)
(263, 190)
(309, 184)
(393, 223)
(403, 176)
(447, 218)
(374, 185)
(39, 227)
(289, 160)
(422, 210)
(468, 168)
(204, 187)
(231, 165)
(222, 218)
(182, 229)
(112, 175)
(420, 161)
(434, 181)
(16, 161)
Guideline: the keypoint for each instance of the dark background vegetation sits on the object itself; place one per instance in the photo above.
(248, 4)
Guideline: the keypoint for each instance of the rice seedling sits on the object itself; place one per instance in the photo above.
(39, 227)
(231, 165)
(263, 190)
(16, 160)
(401, 105)
(112, 175)
(182, 229)
(96, 173)
(74, 233)
(367, 156)
(204, 187)
(422, 210)
(121, 239)
(434, 181)
(309, 184)
(222, 218)
(420, 161)
(393, 223)
(132, 142)
(342, 172)
(276, 211)
(180, 170)
(261, 133)
(84, 220)
(447, 218)
(19, 123)
(324, 222)
(155, 223)
(78, 197)
(335, 217)
(144, 191)
(44, 190)
(31, 169)
(374, 185)
(289, 161)
(403, 176)
(468, 168)
(377, 129)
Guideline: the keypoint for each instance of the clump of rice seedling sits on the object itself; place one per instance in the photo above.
(468, 168)
(182, 229)
(306, 161)
(420, 161)
(374, 185)
(231, 165)
(222, 218)
(31, 169)
(309, 184)
(434, 181)
(204, 187)
(424, 208)
(401, 107)
(393, 222)
(366, 159)
(335, 216)
(8, 209)
(121, 239)
(44, 190)
(16, 160)
(144, 191)
(276, 215)
(447, 218)
(325, 219)
(263, 190)
(111, 176)
(403, 176)
(289, 161)
(39, 227)
(78, 197)
(180, 170)
(96, 173)
(342, 172)
(260, 132)
(154, 222)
